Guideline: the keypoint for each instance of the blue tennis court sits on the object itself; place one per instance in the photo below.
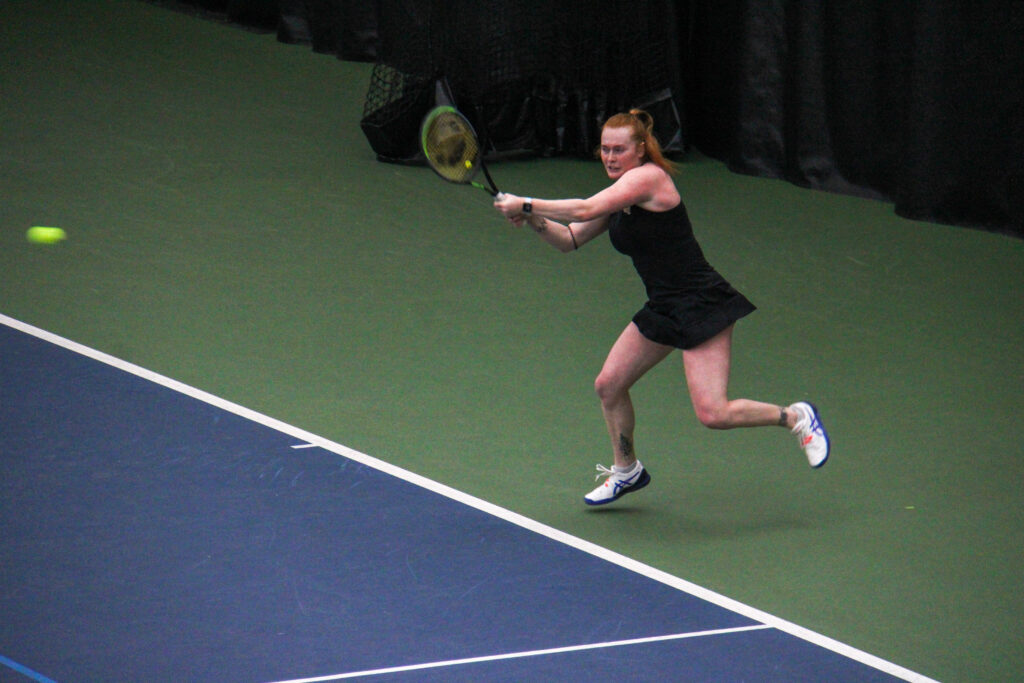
(152, 532)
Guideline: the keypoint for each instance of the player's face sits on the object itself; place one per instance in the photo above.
(619, 151)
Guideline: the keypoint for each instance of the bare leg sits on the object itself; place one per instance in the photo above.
(707, 377)
(630, 358)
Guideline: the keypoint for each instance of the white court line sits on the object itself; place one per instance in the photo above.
(531, 653)
(490, 508)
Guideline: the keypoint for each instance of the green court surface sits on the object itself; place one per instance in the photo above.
(229, 226)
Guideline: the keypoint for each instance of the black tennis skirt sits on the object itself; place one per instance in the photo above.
(688, 320)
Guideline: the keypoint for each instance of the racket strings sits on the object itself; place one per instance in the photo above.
(451, 147)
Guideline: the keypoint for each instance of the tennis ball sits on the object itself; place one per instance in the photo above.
(42, 235)
(469, 164)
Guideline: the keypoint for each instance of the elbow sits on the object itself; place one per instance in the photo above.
(570, 244)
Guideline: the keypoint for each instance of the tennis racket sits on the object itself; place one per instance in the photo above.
(452, 148)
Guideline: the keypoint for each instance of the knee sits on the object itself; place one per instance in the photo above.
(712, 417)
(607, 387)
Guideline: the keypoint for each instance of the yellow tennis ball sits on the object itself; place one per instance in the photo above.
(469, 164)
(42, 235)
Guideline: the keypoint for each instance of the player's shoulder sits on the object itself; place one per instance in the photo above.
(659, 187)
(648, 172)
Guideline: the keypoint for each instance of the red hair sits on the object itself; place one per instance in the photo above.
(642, 125)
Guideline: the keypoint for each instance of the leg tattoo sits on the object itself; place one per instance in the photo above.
(783, 417)
(626, 447)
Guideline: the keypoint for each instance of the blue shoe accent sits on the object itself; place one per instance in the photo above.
(818, 425)
(621, 489)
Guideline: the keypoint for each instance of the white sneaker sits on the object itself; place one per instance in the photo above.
(811, 434)
(617, 484)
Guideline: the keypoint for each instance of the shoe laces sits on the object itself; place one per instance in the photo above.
(807, 427)
(803, 425)
(603, 471)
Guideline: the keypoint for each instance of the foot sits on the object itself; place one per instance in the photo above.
(617, 484)
(811, 434)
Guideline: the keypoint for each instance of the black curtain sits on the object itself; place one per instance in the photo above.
(346, 28)
(919, 103)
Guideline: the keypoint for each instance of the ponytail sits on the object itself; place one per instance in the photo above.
(642, 125)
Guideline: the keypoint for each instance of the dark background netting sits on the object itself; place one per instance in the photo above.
(920, 103)
(531, 76)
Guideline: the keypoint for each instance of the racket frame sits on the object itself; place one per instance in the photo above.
(478, 164)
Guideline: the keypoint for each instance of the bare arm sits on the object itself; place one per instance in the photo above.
(567, 224)
(566, 237)
(647, 186)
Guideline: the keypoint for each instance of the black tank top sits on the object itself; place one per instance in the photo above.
(665, 253)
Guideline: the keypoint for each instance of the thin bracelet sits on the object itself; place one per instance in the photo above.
(572, 236)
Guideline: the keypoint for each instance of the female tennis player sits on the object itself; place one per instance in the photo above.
(690, 306)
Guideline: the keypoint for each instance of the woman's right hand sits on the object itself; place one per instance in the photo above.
(510, 206)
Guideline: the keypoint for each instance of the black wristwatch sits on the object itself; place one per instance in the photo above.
(527, 206)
